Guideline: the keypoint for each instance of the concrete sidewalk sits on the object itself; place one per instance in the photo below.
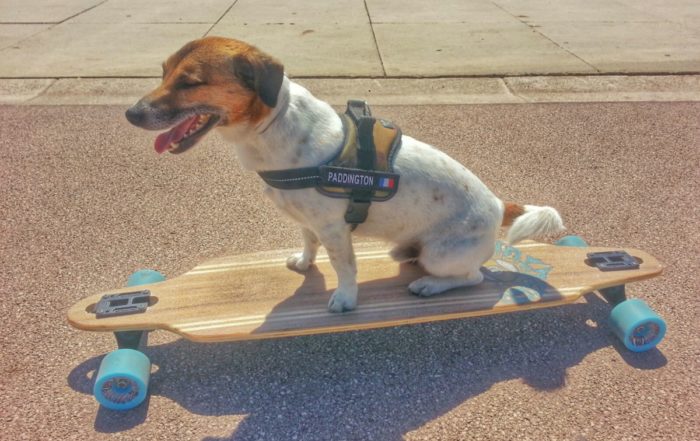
(355, 38)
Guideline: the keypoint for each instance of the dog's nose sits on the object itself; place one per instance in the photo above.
(136, 114)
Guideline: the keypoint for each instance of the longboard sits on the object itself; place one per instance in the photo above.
(256, 296)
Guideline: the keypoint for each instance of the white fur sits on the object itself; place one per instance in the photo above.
(441, 209)
(536, 222)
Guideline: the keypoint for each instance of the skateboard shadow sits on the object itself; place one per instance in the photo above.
(501, 286)
(377, 384)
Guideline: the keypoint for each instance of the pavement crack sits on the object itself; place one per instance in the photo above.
(219, 19)
(535, 28)
(83, 11)
(374, 38)
(512, 91)
(43, 91)
(15, 44)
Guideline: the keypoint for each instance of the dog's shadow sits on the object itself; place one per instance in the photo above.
(377, 384)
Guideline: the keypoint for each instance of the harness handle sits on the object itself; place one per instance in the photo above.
(357, 109)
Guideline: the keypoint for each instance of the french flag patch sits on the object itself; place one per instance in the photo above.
(386, 183)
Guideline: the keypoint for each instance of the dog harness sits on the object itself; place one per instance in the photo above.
(362, 171)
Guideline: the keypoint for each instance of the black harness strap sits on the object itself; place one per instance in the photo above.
(360, 198)
(298, 178)
(292, 179)
(362, 182)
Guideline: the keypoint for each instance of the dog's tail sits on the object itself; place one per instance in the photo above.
(530, 222)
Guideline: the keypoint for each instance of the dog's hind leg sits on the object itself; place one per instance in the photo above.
(453, 263)
(405, 253)
(302, 261)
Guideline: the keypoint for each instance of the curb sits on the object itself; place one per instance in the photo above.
(386, 91)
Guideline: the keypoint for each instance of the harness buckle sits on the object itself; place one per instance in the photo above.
(357, 212)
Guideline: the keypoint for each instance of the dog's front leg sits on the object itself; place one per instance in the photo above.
(338, 242)
(302, 261)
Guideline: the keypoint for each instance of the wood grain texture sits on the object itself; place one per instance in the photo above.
(255, 296)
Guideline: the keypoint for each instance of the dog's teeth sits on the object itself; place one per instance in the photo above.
(199, 123)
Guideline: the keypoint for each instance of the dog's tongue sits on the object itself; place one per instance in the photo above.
(175, 134)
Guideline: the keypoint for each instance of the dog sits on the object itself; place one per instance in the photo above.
(442, 217)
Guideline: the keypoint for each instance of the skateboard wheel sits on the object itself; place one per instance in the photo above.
(122, 380)
(572, 241)
(637, 325)
(144, 277)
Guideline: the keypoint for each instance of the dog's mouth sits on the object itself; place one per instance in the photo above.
(185, 134)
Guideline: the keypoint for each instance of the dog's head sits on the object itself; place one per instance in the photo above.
(210, 82)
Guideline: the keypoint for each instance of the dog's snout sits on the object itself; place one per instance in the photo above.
(136, 114)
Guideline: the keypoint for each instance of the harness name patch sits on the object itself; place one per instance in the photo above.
(356, 178)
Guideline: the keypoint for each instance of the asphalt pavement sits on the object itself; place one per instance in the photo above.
(86, 201)
(591, 106)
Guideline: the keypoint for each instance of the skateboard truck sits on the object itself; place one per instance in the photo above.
(111, 305)
(612, 261)
(134, 302)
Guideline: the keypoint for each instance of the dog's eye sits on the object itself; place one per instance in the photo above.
(189, 83)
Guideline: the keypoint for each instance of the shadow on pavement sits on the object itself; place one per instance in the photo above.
(377, 384)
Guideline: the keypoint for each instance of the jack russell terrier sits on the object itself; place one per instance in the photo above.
(442, 217)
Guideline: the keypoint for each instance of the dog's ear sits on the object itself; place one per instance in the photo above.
(261, 74)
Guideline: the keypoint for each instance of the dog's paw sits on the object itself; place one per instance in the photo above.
(343, 300)
(299, 262)
(426, 286)
(430, 285)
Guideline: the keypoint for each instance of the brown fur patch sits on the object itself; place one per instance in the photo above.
(511, 212)
(201, 73)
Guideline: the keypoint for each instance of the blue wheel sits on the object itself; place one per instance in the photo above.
(144, 277)
(122, 381)
(637, 325)
(572, 241)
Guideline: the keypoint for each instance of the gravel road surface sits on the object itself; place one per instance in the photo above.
(85, 201)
